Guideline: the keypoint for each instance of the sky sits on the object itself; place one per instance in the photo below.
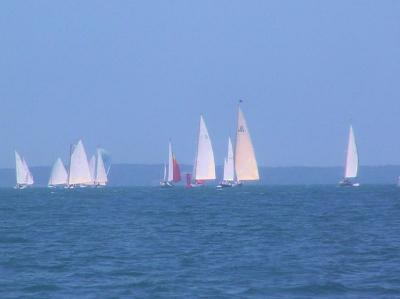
(129, 75)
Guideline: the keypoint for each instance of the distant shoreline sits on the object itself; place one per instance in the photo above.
(150, 174)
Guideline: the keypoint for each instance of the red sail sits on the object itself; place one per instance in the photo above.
(177, 170)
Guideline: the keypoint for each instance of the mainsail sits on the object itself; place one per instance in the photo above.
(79, 171)
(245, 159)
(204, 167)
(351, 167)
(19, 170)
(229, 169)
(59, 174)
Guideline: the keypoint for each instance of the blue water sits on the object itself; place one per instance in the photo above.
(250, 242)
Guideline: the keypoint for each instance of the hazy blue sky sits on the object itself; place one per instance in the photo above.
(127, 75)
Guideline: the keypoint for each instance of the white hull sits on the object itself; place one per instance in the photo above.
(20, 187)
(225, 184)
(166, 184)
(194, 185)
(348, 183)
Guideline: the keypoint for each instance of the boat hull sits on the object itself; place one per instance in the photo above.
(348, 183)
(20, 187)
(166, 185)
(227, 185)
(194, 185)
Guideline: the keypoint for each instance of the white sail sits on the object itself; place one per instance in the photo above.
(92, 167)
(165, 173)
(229, 169)
(170, 164)
(204, 168)
(29, 177)
(59, 175)
(106, 159)
(351, 167)
(225, 171)
(101, 174)
(20, 170)
(79, 172)
(245, 159)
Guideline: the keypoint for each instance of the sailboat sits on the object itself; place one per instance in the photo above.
(245, 159)
(351, 164)
(100, 173)
(79, 170)
(204, 164)
(229, 169)
(174, 172)
(23, 175)
(59, 175)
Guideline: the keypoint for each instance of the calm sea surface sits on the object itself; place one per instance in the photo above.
(249, 242)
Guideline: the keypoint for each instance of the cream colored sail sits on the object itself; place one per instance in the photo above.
(59, 175)
(351, 167)
(229, 169)
(101, 174)
(79, 173)
(245, 159)
(170, 163)
(204, 168)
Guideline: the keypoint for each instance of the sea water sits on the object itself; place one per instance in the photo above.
(248, 242)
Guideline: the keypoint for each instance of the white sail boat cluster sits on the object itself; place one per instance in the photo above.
(83, 173)
(80, 172)
(239, 165)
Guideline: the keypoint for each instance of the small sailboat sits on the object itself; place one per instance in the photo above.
(245, 159)
(23, 175)
(204, 165)
(229, 169)
(100, 175)
(351, 164)
(174, 172)
(79, 170)
(59, 175)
